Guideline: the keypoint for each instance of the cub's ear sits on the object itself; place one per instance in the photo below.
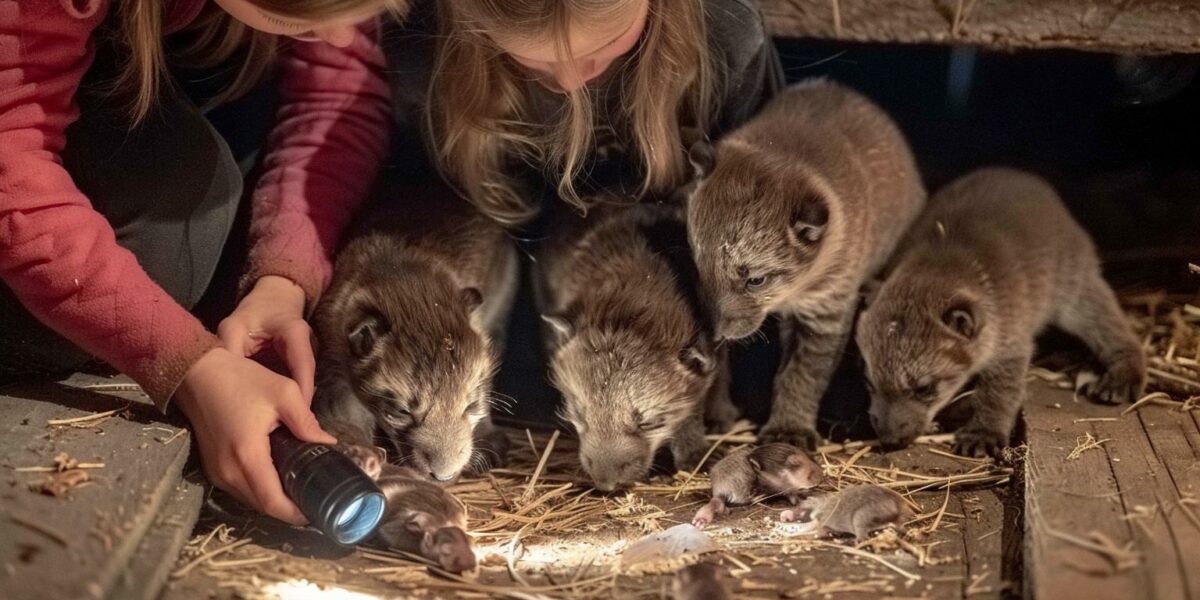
(796, 460)
(754, 464)
(561, 327)
(472, 298)
(364, 336)
(809, 218)
(696, 360)
(703, 157)
(962, 318)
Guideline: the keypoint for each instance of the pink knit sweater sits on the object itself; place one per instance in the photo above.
(60, 257)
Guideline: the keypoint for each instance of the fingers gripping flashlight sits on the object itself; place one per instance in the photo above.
(335, 495)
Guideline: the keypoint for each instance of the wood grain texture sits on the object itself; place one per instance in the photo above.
(1071, 497)
(1137, 488)
(77, 545)
(1147, 26)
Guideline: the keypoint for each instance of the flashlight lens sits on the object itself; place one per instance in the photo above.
(358, 519)
(349, 513)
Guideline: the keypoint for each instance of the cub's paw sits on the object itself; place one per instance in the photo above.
(1122, 381)
(979, 443)
(802, 437)
(370, 460)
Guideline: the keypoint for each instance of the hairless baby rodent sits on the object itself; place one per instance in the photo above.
(771, 469)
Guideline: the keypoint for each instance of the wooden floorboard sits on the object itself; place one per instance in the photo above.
(1177, 466)
(1145, 486)
(1070, 498)
(983, 521)
(1137, 487)
(152, 563)
(77, 545)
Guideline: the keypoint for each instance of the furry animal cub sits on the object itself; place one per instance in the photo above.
(410, 328)
(630, 349)
(994, 260)
(790, 215)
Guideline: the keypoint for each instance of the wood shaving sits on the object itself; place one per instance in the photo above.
(59, 484)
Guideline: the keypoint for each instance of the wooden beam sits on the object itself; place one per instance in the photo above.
(1147, 26)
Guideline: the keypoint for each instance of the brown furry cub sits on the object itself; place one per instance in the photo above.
(409, 329)
(791, 213)
(630, 349)
(995, 259)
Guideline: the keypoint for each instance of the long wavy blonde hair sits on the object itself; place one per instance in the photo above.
(482, 123)
(215, 38)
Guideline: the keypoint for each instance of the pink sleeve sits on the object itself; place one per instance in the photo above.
(323, 155)
(58, 255)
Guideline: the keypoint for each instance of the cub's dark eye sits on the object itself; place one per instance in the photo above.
(926, 391)
(397, 415)
(754, 283)
(650, 425)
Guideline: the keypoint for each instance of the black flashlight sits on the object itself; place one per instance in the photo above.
(335, 495)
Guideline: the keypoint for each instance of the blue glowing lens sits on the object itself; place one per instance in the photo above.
(350, 512)
(357, 519)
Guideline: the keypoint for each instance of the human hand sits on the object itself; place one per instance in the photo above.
(233, 404)
(273, 313)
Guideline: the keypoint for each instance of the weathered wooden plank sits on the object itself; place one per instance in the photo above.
(1070, 498)
(1148, 26)
(1169, 434)
(1146, 488)
(983, 537)
(75, 546)
(151, 564)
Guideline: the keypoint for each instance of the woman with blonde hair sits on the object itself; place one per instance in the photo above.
(517, 100)
(545, 83)
(117, 194)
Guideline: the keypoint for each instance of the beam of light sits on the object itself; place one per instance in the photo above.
(302, 589)
(558, 552)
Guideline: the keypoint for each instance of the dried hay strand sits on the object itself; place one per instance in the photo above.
(1169, 328)
(1170, 333)
(1084, 443)
(88, 421)
(540, 531)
